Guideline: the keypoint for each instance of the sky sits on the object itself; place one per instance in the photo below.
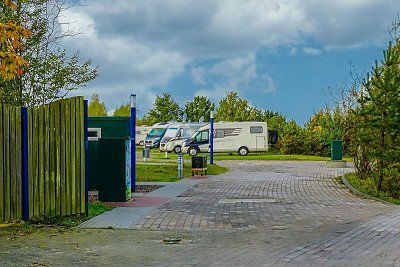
(280, 55)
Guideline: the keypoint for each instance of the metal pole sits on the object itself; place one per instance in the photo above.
(133, 142)
(212, 137)
(25, 181)
(86, 140)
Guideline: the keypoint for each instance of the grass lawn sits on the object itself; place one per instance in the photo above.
(56, 224)
(95, 209)
(368, 186)
(151, 172)
(157, 156)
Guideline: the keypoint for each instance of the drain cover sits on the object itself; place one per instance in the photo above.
(246, 200)
(171, 240)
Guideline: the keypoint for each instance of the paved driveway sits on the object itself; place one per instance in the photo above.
(282, 213)
(265, 195)
(260, 213)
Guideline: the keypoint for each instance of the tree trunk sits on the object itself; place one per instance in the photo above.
(381, 161)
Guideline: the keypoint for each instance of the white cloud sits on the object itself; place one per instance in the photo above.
(293, 51)
(141, 46)
(311, 51)
(270, 84)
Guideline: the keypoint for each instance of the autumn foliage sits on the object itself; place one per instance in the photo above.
(12, 63)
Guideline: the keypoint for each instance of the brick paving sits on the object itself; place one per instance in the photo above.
(271, 213)
(264, 195)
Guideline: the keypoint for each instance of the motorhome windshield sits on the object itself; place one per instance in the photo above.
(171, 132)
(155, 132)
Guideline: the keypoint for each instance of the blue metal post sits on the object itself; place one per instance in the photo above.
(212, 137)
(24, 144)
(133, 142)
(86, 135)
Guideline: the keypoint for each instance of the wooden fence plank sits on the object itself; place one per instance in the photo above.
(7, 189)
(42, 163)
(18, 153)
(36, 162)
(51, 152)
(73, 156)
(77, 156)
(45, 156)
(31, 171)
(57, 126)
(1, 166)
(63, 159)
(13, 174)
(68, 156)
(82, 154)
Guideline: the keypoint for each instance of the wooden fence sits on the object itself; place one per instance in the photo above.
(10, 167)
(55, 160)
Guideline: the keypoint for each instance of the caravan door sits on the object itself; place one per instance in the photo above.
(260, 143)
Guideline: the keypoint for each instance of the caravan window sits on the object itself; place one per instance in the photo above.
(256, 129)
(219, 134)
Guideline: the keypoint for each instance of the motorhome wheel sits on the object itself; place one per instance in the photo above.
(243, 151)
(178, 149)
(193, 151)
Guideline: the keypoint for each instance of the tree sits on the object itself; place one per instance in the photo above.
(165, 109)
(378, 120)
(96, 107)
(201, 106)
(53, 71)
(233, 108)
(123, 110)
(292, 140)
(12, 34)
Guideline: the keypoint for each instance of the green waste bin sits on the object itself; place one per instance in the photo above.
(114, 169)
(336, 150)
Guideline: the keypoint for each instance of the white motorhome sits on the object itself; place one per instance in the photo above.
(176, 134)
(141, 133)
(240, 137)
(155, 134)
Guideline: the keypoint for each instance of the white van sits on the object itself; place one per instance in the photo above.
(240, 137)
(141, 133)
(155, 135)
(176, 134)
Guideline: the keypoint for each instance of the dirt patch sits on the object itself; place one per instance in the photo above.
(146, 188)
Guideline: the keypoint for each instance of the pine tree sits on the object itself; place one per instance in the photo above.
(378, 118)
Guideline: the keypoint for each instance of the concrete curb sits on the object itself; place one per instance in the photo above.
(361, 194)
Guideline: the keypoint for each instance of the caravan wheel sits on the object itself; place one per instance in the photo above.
(243, 151)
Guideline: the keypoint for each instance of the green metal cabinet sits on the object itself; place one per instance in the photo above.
(111, 126)
(103, 127)
(336, 150)
(114, 169)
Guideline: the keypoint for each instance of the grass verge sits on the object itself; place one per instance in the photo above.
(157, 156)
(169, 172)
(57, 223)
(368, 187)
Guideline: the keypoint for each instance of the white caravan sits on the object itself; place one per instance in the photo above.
(176, 134)
(240, 137)
(141, 133)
